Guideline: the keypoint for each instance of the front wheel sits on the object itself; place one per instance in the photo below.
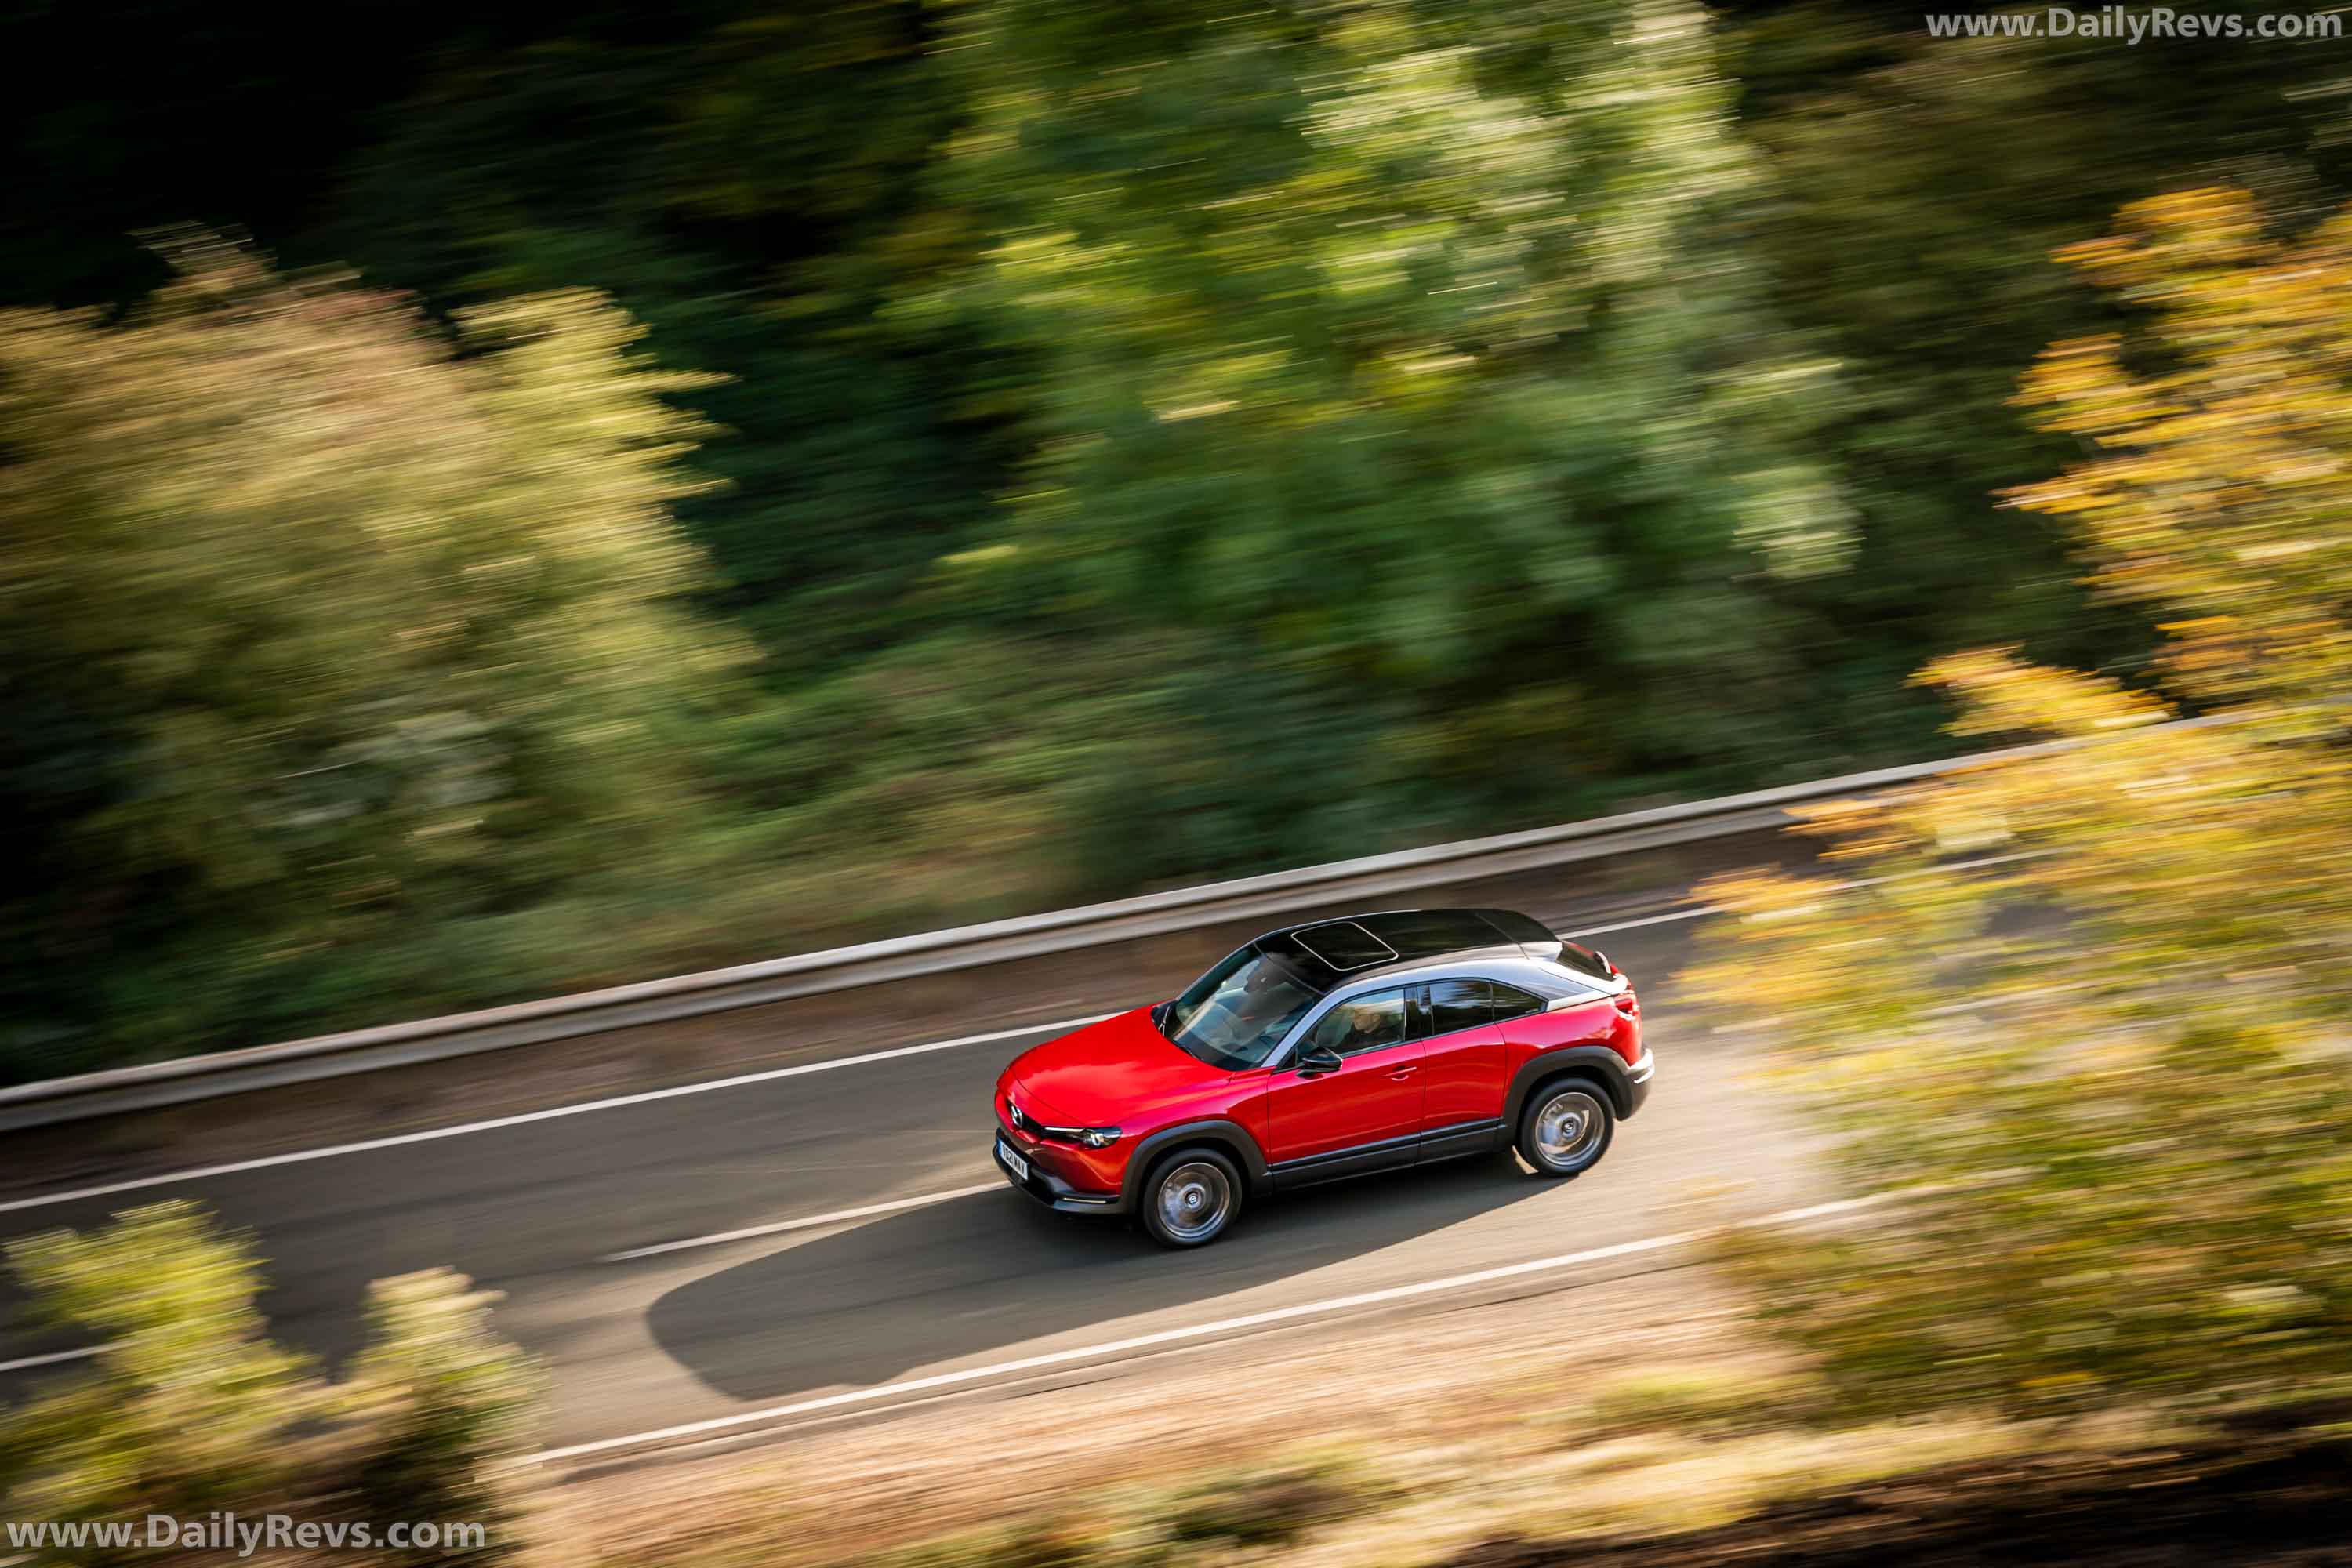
(1192, 1198)
(1567, 1128)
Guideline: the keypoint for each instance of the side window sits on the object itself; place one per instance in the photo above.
(1510, 1001)
(1459, 1005)
(1365, 1023)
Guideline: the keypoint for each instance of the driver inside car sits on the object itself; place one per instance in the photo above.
(1367, 1026)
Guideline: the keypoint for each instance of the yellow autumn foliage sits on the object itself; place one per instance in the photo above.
(2112, 1050)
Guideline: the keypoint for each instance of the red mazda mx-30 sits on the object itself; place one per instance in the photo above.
(1330, 1050)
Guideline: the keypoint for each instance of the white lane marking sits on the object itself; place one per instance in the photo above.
(1689, 914)
(397, 1141)
(811, 1221)
(49, 1360)
(1189, 1332)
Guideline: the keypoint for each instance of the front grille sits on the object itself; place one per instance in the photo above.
(1021, 1120)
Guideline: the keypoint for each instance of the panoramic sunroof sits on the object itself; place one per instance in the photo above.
(1344, 944)
(1425, 933)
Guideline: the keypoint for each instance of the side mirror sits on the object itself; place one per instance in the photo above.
(1317, 1059)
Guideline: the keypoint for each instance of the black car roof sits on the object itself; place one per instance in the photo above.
(1357, 946)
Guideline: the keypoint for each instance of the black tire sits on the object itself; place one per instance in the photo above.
(1198, 1182)
(1566, 1127)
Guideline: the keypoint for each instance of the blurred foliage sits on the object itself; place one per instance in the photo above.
(1261, 1510)
(1924, 187)
(1383, 354)
(452, 1410)
(2116, 1055)
(1131, 445)
(1695, 1400)
(318, 626)
(185, 1407)
(1278, 1506)
(2220, 493)
(188, 1410)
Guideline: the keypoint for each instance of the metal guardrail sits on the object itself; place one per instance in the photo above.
(932, 952)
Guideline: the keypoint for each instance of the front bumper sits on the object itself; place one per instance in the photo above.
(1638, 1078)
(1048, 1188)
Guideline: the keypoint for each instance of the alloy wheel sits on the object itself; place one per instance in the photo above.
(1569, 1128)
(1193, 1200)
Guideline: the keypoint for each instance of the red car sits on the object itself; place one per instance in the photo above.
(1330, 1050)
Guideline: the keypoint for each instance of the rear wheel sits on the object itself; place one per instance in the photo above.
(1567, 1128)
(1191, 1198)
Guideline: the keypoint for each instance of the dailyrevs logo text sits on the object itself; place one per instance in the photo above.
(228, 1532)
(2132, 25)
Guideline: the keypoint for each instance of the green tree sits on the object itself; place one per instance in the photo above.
(751, 185)
(1398, 357)
(321, 623)
(1926, 185)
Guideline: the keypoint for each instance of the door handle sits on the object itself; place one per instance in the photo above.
(1404, 1072)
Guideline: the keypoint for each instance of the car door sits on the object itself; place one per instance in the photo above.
(1365, 1113)
(1463, 1070)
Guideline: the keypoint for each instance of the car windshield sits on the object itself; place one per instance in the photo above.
(1234, 1015)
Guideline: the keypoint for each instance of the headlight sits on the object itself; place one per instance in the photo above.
(1098, 1137)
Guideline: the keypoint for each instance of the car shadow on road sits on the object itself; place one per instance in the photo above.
(955, 1279)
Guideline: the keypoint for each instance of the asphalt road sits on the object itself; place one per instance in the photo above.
(540, 1211)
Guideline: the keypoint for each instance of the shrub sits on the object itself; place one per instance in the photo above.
(451, 1409)
(186, 1408)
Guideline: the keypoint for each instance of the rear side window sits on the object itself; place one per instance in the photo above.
(1510, 1001)
(1459, 1005)
(1367, 1022)
(1456, 1005)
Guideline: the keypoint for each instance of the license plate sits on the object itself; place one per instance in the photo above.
(1004, 1151)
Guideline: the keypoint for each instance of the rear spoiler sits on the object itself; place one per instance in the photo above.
(1616, 984)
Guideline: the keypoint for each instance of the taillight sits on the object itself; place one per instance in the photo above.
(1628, 1004)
